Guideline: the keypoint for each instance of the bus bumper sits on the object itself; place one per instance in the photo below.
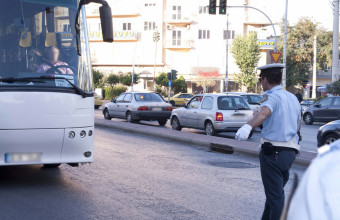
(45, 146)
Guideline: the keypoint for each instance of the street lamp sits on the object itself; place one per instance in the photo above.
(156, 38)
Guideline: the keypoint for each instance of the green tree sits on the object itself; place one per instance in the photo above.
(300, 50)
(334, 88)
(98, 78)
(112, 79)
(179, 85)
(162, 80)
(125, 79)
(300, 39)
(247, 55)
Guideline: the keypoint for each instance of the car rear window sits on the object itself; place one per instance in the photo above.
(232, 103)
(147, 97)
(253, 99)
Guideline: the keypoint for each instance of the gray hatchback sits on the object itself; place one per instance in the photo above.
(326, 110)
(212, 112)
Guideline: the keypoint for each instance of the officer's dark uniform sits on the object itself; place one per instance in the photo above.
(279, 145)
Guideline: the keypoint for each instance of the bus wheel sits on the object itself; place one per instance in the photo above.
(52, 165)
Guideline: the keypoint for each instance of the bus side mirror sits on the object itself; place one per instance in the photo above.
(106, 23)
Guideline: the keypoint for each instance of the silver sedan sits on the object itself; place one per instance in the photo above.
(136, 106)
(212, 112)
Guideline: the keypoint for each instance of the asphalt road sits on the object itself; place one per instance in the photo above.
(137, 177)
(308, 132)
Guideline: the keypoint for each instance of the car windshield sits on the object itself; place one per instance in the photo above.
(38, 41)
(253, 99)
(232, 103)
(147, 97)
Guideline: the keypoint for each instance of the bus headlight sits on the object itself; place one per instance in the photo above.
(71, 134)
(90, 132)
(82, 134)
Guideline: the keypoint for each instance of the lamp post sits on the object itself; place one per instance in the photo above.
(284, 75)
(156, 38)
(227, 51)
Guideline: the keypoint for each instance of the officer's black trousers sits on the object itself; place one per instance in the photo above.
(275, 174)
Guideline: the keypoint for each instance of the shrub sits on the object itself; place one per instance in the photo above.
(113, 92)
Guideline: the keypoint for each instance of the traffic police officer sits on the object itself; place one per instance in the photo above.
(280, 115)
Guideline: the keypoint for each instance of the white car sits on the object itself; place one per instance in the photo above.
(212, 112)
(253, 99)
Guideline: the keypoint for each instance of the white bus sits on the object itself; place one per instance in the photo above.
(46, 84)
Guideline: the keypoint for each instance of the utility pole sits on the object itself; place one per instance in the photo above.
(227, 52)
(284, 75)
(335, 54)
(314, 69)
(156, 38)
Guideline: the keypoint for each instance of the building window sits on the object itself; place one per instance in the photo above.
(149, 26)
(203, 34)
(176, 38)
(126, 26)
(176, 12)
(94, 27)
(231, 34)
(203, 10)
(150, 4)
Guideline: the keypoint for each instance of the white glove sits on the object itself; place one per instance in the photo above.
(243, 133)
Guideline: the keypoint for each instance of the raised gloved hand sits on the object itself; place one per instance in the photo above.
(243, 133)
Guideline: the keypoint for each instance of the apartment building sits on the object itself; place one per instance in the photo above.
(191, 41)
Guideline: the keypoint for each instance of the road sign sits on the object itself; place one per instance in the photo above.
(169, 82)
(276, 56)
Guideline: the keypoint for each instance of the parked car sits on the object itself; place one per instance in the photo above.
(329, 133)
(98, 101)
(325, 110)
(306, 103)
(136, 106)
(212, 112)
(253, 99)
(179, 99)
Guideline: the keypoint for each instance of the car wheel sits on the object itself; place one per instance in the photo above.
(96, 106)
(329, 139)
(162, 122)
(107, 114)
(172, 103)
(209, 129)
(176, 124)
(129, 118)
(308, 119)
(52, 165)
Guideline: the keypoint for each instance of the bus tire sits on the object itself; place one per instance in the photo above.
(52, 165)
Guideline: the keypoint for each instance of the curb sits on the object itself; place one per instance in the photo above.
(218, 144)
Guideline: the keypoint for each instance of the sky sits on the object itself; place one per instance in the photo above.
(319, 10)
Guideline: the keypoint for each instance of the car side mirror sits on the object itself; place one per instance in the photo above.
(113, 100)
(106, 22)
(317, 105)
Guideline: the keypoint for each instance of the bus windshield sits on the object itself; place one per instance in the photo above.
(37, 40)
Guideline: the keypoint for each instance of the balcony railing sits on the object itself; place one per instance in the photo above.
(178, 44)
(176, 19)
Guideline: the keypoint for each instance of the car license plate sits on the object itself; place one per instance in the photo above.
(157, 109)
(22, 157)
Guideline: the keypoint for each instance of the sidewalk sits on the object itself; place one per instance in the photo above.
(219, 144)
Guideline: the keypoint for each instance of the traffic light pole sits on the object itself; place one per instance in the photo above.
(245, 6)
(227, 58)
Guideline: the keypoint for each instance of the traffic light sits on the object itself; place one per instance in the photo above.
(223, 7)
(212, 7)
(173, 74)
(168, 76)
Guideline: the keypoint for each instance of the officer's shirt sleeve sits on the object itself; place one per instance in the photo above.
(270, 102)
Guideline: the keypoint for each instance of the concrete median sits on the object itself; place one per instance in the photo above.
(218, 144)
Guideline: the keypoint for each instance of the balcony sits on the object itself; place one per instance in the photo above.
(182, 19)
(178, 45)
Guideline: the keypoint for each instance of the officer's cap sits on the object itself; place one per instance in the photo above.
(271, 66)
